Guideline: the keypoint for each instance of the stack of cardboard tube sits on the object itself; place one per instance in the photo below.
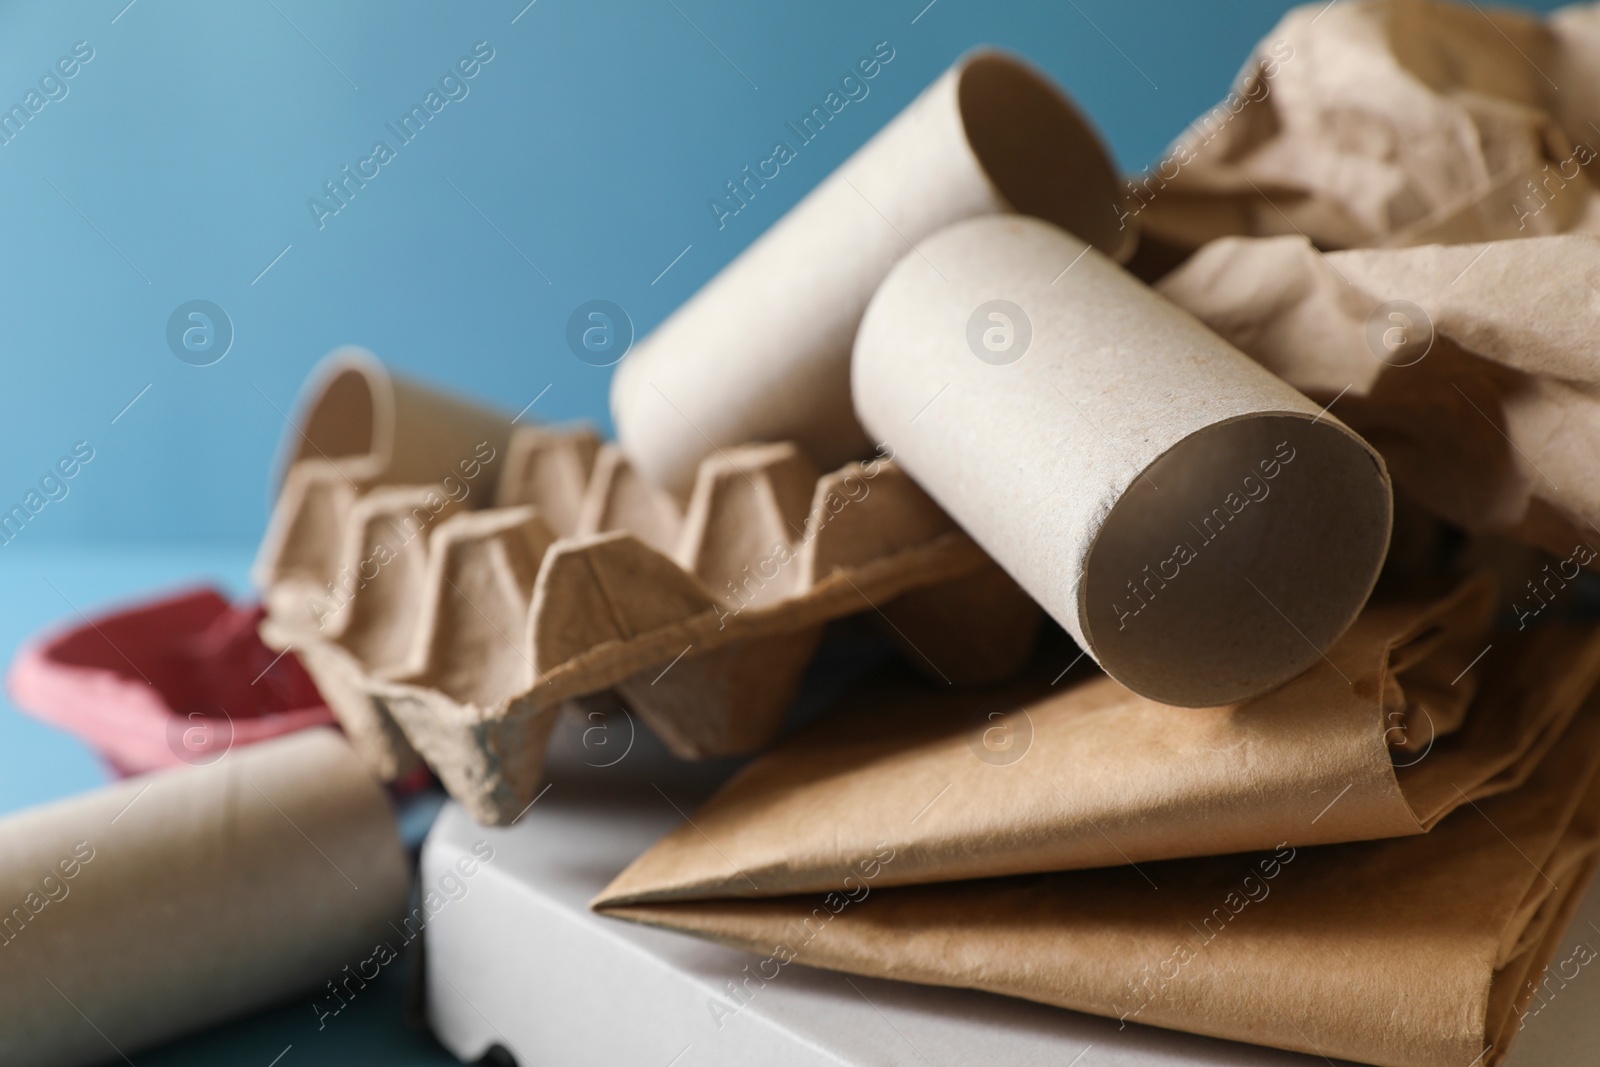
(1288, 438)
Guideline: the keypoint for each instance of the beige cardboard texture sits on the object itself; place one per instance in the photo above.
(299, 556)
(1033, 777)
(169, 902)
(386, 429)
(550, 469)
(620, 498)
(346, 586)
(1471, 368)
(368, 629)
(360, 427)
(762, 352)
(1392, 122)
(447, 631)
(1202, 529)
(506, 621)
(1408, 952)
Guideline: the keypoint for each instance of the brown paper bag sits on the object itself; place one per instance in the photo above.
(1470, 368)
(1391, 122)
(1033, 777)
(1412, 952)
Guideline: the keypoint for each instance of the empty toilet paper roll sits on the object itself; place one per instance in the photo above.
(384, 429)
(1202, 529)
(166, 903)
(762, 352)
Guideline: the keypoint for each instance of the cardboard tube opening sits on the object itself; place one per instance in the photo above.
(343, 423)
(1188, 595)
(1041, 152)
(352, 413)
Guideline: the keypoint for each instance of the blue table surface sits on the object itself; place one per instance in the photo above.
(48, 587)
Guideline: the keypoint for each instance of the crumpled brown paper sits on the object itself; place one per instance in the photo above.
(1408, 952)
(1392, 122)
(1030, 777)
(1471, 368)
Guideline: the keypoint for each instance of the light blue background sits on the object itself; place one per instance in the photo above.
(593, 141)
(181, 161)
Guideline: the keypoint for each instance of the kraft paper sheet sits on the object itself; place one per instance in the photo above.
(762, 352)
(1037, 776)
(1484, 401)
(1200, 528)
(172, 901)
(1412, 952)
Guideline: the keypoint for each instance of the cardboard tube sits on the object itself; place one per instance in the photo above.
(166, 903)
(1483, 403)
(762, 352)
(383, 429)
(1201, 529)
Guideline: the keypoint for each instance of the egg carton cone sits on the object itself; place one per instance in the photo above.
(363, 622)
(619, 498)
(350, 582)
(551, 469)
(358, 427)
(707, 643)
(299, 556)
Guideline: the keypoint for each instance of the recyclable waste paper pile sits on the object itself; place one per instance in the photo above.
(1235, 525)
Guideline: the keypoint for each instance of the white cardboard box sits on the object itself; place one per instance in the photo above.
(518, 961)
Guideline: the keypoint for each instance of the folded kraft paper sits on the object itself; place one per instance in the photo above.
(168, 902)
(1409, 952)
(1200, 528)
(1409, 719)
(762, 352)
(1471, 368)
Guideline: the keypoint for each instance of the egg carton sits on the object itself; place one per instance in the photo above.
(462, 646)
(362, 428)
(343, 571)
